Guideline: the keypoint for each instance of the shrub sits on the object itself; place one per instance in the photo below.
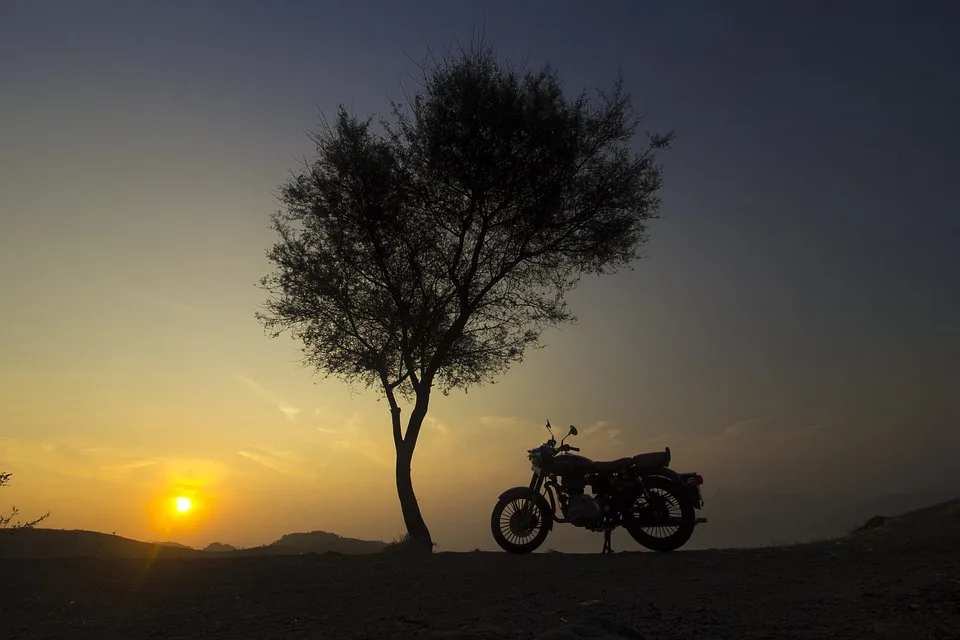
(7, 520)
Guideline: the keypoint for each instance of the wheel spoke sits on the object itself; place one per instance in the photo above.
(520, 521)
(668, 504)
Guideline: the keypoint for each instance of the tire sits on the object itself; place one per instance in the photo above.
(535, 530)
(688, 519)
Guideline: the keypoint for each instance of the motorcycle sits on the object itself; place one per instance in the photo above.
(639, 493)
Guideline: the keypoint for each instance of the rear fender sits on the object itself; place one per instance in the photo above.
(689, 488)
(530, 494)
(663, 472)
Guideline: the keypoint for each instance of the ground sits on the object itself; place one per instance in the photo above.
(861, 587)
(895, 578)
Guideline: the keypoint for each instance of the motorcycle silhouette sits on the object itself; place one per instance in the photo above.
(655, 504)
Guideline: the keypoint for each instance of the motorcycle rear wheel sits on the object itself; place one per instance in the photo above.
(671, 496)
(519, 525)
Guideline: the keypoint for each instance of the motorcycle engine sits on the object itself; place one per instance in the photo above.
(583, 510)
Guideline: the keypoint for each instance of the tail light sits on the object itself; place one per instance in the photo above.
(698, 479)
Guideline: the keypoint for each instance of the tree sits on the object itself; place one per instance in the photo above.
(432, 253)
(5, 520)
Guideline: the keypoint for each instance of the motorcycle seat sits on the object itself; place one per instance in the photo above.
(652, 459)
(612, 465)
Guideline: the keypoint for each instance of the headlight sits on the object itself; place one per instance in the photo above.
(535, 460)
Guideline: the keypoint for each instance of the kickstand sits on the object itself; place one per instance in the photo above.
(607, 548)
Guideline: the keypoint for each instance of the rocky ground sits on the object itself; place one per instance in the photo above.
(872, 585)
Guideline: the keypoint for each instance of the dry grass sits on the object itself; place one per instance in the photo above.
(405, 545)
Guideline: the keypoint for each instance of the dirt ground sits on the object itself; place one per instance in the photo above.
(853, 589)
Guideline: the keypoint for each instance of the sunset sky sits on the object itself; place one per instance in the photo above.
(794, 327)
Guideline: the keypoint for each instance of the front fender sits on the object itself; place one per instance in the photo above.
(530, 494)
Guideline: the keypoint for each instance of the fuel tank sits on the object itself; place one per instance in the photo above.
(571, 464)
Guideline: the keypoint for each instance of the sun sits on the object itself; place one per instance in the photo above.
(183, 504)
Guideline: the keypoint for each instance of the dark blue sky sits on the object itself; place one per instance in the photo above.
(805, 270)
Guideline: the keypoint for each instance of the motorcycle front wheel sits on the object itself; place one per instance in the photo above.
(666, 521)
(518, 524)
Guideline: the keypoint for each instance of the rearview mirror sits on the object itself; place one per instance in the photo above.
(573, 430)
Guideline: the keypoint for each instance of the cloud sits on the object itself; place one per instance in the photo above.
(603, 440)
(440, 427)
(502, 422)
(68, 458)
(595, 427)
(282, 405)
(328, 430)
(365, 448)
(364, 443)
(290, 412)
(756, 430)
(280, 461)
(741, 427)
(125, 469)
(157, 302)
(664, 439)
(355, 433)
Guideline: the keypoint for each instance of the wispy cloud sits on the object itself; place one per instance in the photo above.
(328, 430)
(437, 425)
(282, 405)
(68, 458)
(157, 302)
(124, 469)
(503, 422)
(603, 435)
(283, 462)
(595, 427)
(355, 437)
(741, 427)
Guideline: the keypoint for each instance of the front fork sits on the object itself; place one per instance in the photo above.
(526, 512)
(536, 486)
(536, 482)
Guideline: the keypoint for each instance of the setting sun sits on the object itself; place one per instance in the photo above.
(183, 504)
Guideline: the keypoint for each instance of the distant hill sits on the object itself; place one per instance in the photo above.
(313, 542)
(321, 542)
(936, 524)
(752, 519)
(63, 543)
(172, 544)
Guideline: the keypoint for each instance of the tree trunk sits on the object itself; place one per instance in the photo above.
(416, 527)
(405, 444)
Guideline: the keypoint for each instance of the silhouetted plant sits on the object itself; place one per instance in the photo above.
(434, 252)
(405, 543)
(7, 521)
